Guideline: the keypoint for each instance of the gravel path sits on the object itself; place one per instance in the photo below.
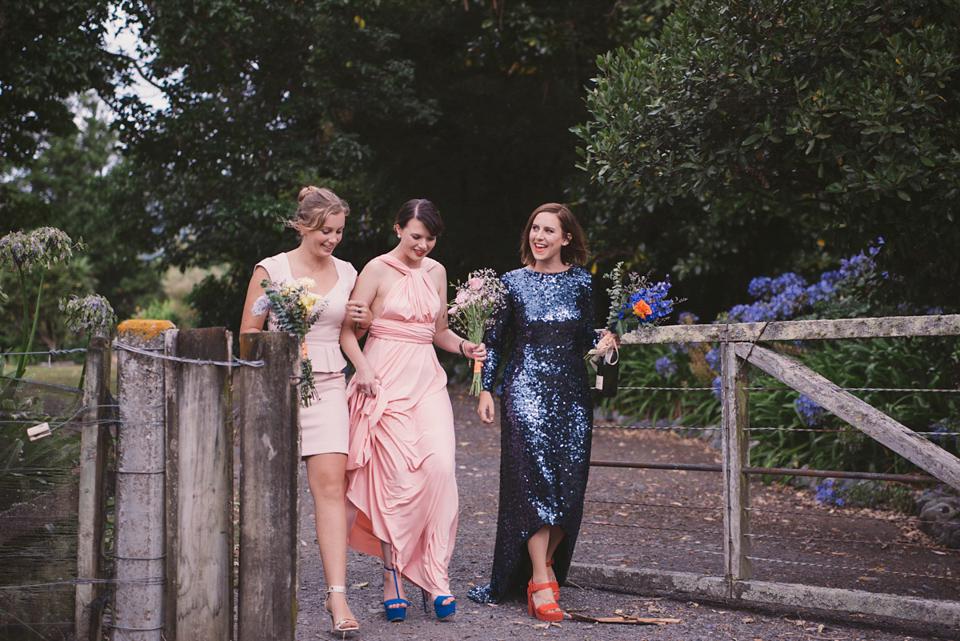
(478, 463)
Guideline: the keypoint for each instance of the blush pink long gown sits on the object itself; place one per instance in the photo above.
(401, 475)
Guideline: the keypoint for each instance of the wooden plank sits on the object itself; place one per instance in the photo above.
(199, 595)
(91, 505)
(891, 326)
(736, 487)
(785, 595)
(269, 487)
(870, 421)
(171, 389)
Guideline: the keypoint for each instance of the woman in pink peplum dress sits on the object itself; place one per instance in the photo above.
(401, 479)
(324, 425)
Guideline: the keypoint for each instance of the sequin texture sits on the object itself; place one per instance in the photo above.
(546, 418)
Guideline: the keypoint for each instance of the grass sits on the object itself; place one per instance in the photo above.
(67, 374)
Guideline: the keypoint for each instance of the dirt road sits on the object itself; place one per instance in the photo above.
(670, 540)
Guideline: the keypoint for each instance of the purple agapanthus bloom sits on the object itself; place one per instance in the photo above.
(666, 366)
(810, 413)
(829, 493)
(713, 359)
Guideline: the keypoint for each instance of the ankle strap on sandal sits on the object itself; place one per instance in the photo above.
(336, 588)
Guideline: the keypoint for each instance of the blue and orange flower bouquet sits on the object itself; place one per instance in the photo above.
(635, 302)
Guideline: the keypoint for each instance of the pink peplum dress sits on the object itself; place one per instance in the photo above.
(401, 475)
(324, 426)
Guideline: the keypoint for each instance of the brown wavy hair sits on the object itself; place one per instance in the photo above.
(574, 252)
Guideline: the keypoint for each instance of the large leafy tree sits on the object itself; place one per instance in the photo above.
(786, 134)
(76, 185)
(51, 51)
(466, 103)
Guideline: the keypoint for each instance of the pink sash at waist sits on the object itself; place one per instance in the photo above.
(404, 332)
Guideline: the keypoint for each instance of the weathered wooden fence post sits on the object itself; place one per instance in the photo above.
(91, 508)
(269, 487)
(736, 489)
(139, 511)
(199, 486)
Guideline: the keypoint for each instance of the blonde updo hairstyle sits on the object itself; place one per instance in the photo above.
(316, 204)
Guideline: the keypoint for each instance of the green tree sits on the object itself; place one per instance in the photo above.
(468, 104)
(786, 135)
(76, 183)
(51, 51)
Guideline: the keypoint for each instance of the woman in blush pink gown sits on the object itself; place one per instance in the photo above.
(400, 466)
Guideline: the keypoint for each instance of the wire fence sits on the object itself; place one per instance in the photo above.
(659, 518)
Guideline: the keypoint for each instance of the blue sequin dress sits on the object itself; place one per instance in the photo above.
(546, 418)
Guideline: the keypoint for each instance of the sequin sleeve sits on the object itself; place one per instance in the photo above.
(495, 338)
(589, 334)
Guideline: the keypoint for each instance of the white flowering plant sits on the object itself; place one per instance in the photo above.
(294, 309)
(23, 253)
(474, 303)
(92, 314)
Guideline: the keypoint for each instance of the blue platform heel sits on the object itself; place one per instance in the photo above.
(443, 611)
(399, 611)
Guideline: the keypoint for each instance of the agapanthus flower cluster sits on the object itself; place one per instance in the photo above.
(42, 247)
(713, 358)
(294, 308)
(666, 366)
(91, 314)
(830, 493)
(945, 431)
(810, 412)
(637, 302)
(789, 295)
(474, 303)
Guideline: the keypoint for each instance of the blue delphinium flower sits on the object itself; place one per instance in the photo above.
(666, 366)
(717, 387)
(810, 413)
(829, 493)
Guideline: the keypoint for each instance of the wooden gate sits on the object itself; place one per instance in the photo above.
(742, 346)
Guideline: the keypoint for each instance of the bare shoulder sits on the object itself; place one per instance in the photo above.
(373, 269)
(438, 273)
(259, 274)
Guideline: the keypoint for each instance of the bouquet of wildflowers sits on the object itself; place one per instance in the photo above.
(472, 307)
(636, 303)
(294, 308)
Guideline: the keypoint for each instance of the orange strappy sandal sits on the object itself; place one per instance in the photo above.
(546, 612)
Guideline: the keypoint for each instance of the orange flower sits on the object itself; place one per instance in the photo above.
(641, 309)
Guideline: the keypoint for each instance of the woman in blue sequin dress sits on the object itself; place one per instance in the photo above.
(546, 411)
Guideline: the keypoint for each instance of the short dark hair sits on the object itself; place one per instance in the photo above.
(424, 211)
(574, 252)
